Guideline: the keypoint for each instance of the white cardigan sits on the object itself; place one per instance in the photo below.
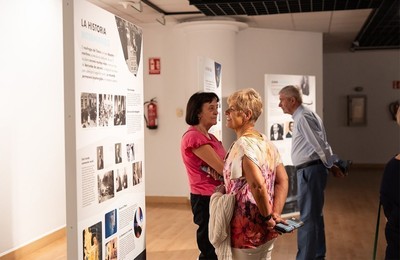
(219, 226)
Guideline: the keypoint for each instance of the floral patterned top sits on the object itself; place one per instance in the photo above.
(247, 229)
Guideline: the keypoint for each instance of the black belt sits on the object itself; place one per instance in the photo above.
(310, 163)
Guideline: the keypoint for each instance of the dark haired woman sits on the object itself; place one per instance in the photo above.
(201, 149)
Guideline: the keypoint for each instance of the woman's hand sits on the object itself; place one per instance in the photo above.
(277, 218)
(220, 188)
(214, 174)
(271, 224)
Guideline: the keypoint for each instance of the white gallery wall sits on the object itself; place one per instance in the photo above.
(258, 52)
(32, 197)
(32, 194)
(375, 72)
(264, 51)
(162, 146)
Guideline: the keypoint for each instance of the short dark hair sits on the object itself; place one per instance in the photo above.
(195, 103)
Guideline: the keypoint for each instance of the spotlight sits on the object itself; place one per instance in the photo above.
(137, 5)
(161, 20)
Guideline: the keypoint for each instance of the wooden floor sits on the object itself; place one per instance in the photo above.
(351, 206)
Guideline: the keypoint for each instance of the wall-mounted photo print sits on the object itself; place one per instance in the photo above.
(112, 249)
(88, 110)
(100, 158)
(92, 242)
(110, 220)
(304, 87)
(105, 184)
(357, 110)
(131, 42)
(130, 150)
(118, 158)
(137, 173)
(276, 132)
(121, 180)
(289, 129)
(105, 110)
(138, 222)
(119, 110)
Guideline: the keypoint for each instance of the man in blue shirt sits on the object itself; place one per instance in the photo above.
(313, 158)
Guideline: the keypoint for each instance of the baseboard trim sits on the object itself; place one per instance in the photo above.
(23, 251)
(167, 200)
(373, 166)
(35, 245)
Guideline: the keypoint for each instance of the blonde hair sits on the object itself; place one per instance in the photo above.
(247, 99)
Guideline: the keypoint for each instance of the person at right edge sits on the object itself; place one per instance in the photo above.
(389, 198)
(312, 155)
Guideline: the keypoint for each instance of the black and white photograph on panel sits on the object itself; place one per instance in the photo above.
(88, 110)
(137, 173)
(105, 182)
(131, 42)
(118, 157)
(105, 110)
(119, 110)
(100, 158)
(289, 129)
(121, 179)
(276, 132)
(130, 150)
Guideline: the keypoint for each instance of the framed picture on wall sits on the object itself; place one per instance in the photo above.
(357, 110)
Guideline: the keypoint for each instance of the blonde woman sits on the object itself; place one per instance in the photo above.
(253, 170)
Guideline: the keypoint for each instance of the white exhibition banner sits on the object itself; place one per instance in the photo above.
(279, 125)
(106, 92)
(210, 80)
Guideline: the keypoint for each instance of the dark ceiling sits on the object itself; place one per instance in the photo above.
(380, 31)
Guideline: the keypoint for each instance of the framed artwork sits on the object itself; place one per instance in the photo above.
(357, 110)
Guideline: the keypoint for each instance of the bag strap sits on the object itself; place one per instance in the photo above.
(377, 231)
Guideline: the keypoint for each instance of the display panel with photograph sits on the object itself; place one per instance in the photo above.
(280, 125)
(104, 133)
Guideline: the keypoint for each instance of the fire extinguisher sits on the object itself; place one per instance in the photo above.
(151, 109)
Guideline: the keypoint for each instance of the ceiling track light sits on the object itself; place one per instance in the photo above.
(137, 5)
(161, 20)
(163, 13)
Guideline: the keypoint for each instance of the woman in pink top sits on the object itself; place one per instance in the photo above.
(201, 149)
